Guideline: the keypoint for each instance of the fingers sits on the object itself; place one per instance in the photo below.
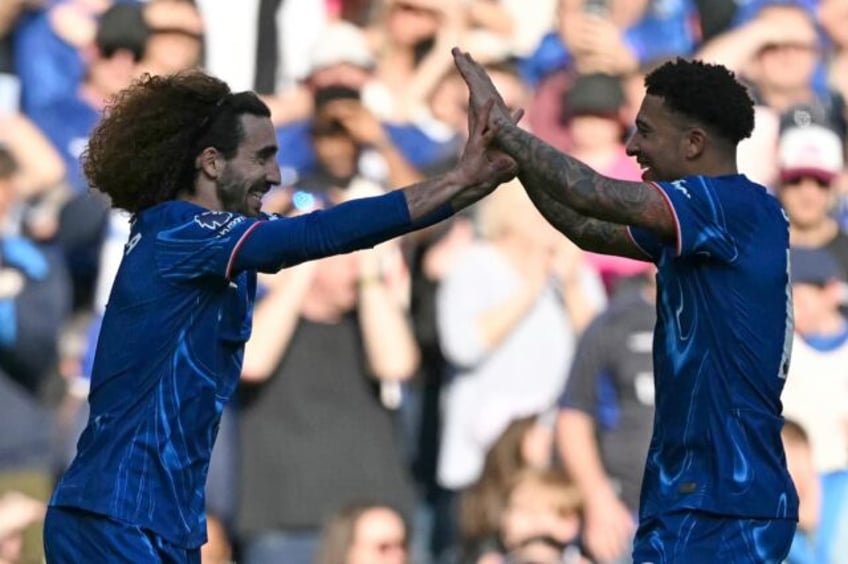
(517, 115)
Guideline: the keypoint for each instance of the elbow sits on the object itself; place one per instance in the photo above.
(255, 371)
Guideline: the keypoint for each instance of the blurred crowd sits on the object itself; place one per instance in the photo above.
(480, 392)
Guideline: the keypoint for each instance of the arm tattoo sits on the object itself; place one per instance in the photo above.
(588, 233)
(574, 184)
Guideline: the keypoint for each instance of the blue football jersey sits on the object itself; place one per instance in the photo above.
(171, 344)
(722, 346)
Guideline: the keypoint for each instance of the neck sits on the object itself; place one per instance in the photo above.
(816, 235)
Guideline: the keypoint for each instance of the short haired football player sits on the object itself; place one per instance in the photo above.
(716, 487)
(190, 160)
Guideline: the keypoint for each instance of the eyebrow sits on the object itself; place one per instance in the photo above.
(642, 124)
(267, 151)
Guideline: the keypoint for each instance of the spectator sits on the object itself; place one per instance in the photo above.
(34, 302)
(615, 38)
(778, 52)
(593, 118)
(301, 457)
(343, 59)
(606, 417)
(50, 45)
(810, 159)
(527, 442)
(176, 36)
(817, 384)
(364, 533)
(822, 535)
(68, 121)
(514, 304)
(541, 521)
(39, 178)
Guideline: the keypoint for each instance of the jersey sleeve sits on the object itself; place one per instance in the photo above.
(203, 246)
(700, 221)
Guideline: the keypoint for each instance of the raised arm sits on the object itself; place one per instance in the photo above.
(588, 233)
(569, 189)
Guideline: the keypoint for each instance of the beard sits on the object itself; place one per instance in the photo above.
(236, 193)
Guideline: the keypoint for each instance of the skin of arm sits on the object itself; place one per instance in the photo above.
(608, 522)
(390, 346)
(274, 320)
(557, 182)
(40, 166)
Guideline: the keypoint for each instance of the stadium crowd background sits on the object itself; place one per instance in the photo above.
(479, 392)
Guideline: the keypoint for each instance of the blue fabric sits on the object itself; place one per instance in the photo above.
(829, 542)
(170, 351)
(72, 536)
(49, 68)
(419, 149)
(666, 29)
(609, 413)
(68, 122)
(721, 352)
(695, 537)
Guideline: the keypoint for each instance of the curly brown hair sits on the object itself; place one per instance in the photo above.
(143, 151)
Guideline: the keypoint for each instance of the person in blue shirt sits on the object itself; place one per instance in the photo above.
(191, 161)
(716, 486)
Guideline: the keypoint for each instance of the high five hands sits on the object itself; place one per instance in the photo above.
(481, 90)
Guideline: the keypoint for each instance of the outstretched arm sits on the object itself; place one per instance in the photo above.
(589, 233)
(569, 189)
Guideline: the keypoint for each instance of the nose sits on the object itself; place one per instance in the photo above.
(632, 146)
(273, 175)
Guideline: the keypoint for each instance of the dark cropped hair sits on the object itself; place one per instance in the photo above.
(143, 151)
(707, 93)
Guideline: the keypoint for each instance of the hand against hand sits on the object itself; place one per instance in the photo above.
(481, 89)
(481, 166)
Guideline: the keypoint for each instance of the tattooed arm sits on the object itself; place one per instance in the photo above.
(579, 187)
(588, 233)
(589, 208)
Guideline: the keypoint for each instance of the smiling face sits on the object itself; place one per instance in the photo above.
(252, 171)
(659, 142)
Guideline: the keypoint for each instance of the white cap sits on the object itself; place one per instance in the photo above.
(811, 150)
(341, 43)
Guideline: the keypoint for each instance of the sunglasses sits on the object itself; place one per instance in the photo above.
(794, 181)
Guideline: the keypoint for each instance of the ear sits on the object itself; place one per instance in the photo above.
(210, 162)
(695, 143)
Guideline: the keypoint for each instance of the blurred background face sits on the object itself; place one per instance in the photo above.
(379, 537)
(589, 132)
(812, 303)
(411, 21)
(530, 513)
(334, 282)
(789, 65)
(807, 201)
(337, 153)
(176, 40)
